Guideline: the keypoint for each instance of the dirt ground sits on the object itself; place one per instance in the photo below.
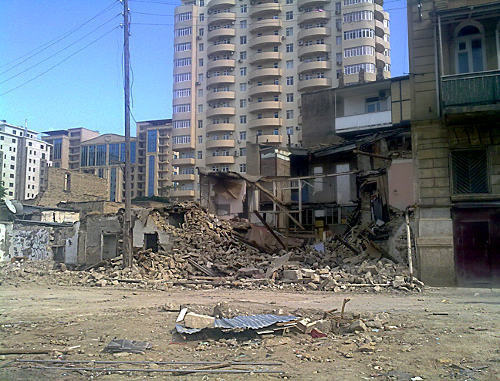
(440, 334)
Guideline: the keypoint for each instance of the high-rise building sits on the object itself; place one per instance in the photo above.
(24, 161)
(240, 67)
(66, 143)
(154, 158)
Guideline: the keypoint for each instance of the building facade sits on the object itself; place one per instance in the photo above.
(66, 143)
(24, 162)
(240, 67)
(455, 91)
(154, 158)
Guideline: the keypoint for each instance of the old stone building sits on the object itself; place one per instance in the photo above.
(64, 185)
(455, 89)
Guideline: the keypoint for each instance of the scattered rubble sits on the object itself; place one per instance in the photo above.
(205, 251)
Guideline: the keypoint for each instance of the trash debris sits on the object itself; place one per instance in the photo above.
(124, 345)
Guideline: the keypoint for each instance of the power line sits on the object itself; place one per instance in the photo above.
(59, 51)
(60, 62)
(156, 2)
(52, 42)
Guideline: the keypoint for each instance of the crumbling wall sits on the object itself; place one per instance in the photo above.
(81, 187)
(93, 228)
(148, 226)
(30, 242)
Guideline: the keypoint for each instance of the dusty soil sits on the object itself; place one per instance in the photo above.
(448, 334)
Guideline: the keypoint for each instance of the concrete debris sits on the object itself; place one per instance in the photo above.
(204, 251)
(194, 320)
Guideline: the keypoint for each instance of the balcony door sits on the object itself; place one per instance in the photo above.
(469, 50)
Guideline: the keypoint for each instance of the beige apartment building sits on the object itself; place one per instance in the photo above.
(241, 66)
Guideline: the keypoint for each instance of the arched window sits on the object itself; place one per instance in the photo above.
(469, 49)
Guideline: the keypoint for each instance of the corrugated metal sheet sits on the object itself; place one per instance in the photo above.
(242, 322)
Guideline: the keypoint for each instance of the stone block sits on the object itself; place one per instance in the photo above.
(194, 320)
(307, 273)
(357, 326)
(292, 275)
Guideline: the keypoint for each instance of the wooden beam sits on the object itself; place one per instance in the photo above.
(259, 216)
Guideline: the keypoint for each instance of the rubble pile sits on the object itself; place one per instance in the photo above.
(204, 250)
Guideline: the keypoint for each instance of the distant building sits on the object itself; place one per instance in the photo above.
(24, 161)
(154, 159)
(66, 143)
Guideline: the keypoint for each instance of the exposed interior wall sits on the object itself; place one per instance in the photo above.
(93, 229)
(148, 226)
(401, 180)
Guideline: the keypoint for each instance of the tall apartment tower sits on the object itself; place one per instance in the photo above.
(241, 66)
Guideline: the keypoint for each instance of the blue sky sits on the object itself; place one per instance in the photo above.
(87, 89)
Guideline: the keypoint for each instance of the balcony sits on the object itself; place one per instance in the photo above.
(220, 143)
(182, 146)
(182, 193)
(220, 127)
(184, 161)
(265, 56)
(262, 9)
(257, 107)
(219, 64)
(265, 72)
(221, 17)
(220, 33)
(220, 95)
(363, 122)
(265, 122)
(216, 79)
(264, 89)
(220, 48)
(314, 65)
(270, 39)
(313, 49)
(219, 160)
(261, 25)
(304, 3)
(269, 139)
(471, 92)
(314, 84)
(314, 16)
(213, 4)
(221, 111)
(314, 32)
(183, 177)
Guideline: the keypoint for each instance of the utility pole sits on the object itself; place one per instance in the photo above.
(127, 231)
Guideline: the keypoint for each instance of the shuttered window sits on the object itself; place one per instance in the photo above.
(469, 171)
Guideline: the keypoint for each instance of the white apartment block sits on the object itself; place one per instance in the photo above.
(24, 162)
(241, 66)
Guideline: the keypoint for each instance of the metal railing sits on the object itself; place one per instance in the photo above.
(471, 89)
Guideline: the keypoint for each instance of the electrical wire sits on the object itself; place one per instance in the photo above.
(54, 41)
(60, 62)
(59, 51)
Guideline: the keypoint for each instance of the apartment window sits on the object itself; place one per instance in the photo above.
(289, 48)
(243, 86)
(182, 47)
(183, 16)
(180, 93)
(469, 47)
(338, 40)
(200, 154)
(202, 3)
(364, 50)
(358, 16)
(200, 139)
(243, 24)
(243, 103)
(289, 31)
(289, 97)
(243, 40)
(375, 105)
(182, 62)
(186, 123)
(359, 33)
(289, 130)
(354, 69)
(289, 15)
(183, 32)
(352, 2)
(243, 8)
(469, 171)
(200, 124)
(243, 135)
(200, 77)
(243, 151)
(243, 71)
(201, 32)
(181, 139)
(243, 167)
(201, 47)
(200, 108)
(243, 119)
(338, 7)
(289, 114)
(202, 17)
(200, 62)
(289, 80)
(200, 92)
(289, 64)
(181, 108)
(243, 55)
